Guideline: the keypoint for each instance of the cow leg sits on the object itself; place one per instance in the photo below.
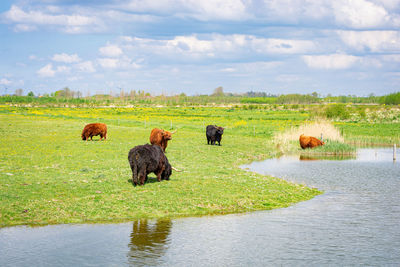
(142, 176)
(159, 174)
(134, 175)
(208, 140)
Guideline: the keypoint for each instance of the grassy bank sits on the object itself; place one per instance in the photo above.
(49, 176)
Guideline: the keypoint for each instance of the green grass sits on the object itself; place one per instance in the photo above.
(48, 175)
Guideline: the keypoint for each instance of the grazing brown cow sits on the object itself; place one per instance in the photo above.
(93, 129)
(309, 142)
(160, 137)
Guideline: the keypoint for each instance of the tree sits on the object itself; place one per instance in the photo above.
(19, 92)
(219, 91)
(65, 92)
(31, 93)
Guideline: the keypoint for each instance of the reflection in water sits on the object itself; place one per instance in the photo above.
(354, 223)
(327, 157)
(149, 241)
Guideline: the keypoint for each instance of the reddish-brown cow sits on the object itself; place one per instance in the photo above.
(309, 142)
(160, 137)
(93, 129)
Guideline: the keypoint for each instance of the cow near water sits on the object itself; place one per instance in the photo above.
(94, 129)
(214, 134)
(145, 159)
(309, 142)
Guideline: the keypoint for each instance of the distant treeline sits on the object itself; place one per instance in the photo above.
(390, 99)
(182, 99)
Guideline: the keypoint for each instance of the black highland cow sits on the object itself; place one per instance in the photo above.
(146, 159)
(214, 133)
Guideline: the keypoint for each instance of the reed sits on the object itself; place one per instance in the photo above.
(289, 139)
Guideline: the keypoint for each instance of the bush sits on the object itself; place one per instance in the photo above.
(338, 111)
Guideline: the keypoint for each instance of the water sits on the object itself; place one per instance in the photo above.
(356, 222)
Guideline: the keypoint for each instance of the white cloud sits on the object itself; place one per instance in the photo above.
(201, 10)
(351, 14)
(334, 61)
(24, 28)
(66, 58)
(63, 69)
(47, 71)
(5, 81)
(234, 46)
(118, 63)
(282, 46)
(28, 21)
(86, 66)
(228, 70)
(374, 41)
(110, 51)
(108, 63)
(217, 9)
(360, 14)
(392, 58)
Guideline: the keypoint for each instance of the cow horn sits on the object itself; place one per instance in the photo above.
(175, 169)
(174, 132)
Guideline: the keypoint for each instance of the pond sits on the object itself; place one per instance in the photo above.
(355, 222)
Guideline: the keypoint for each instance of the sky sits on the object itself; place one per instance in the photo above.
(341, 47)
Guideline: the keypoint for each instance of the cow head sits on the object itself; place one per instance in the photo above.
(220, 130)
(167, 135)
(167, 172)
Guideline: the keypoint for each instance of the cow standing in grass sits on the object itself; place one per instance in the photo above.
(145, 159)
(94, 129)
(309, 142)
(214, 134)
(160, 137)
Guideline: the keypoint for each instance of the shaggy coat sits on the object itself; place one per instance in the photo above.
(214, 133)
(160, 137)
(309, 142)
(145, 159)
(94, 129)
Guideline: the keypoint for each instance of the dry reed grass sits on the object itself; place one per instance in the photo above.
(328, 131)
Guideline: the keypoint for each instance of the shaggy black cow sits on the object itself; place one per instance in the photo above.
(146, 159)
(214, 133)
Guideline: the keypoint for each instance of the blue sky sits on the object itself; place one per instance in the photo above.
(337, 47)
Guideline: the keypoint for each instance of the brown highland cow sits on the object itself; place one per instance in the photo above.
(309, 142)
(93, 129)
(160, 137)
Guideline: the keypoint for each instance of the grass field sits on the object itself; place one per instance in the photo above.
(48, 175)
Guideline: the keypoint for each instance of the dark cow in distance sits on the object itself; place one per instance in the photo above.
(309, 142)
(160, 137)
(93, 129)
(214, 133)
(145, 159)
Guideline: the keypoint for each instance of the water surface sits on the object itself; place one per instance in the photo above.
(356, 222)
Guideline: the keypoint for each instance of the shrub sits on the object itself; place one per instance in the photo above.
(337, 111)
